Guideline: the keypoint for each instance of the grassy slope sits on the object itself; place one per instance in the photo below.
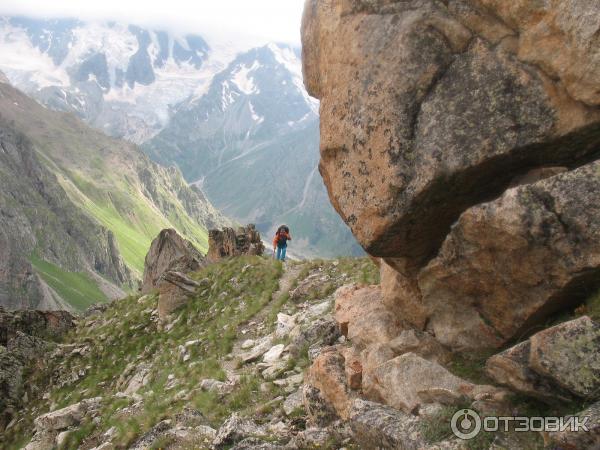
(78, 289)
(127, 333)
(101, 175)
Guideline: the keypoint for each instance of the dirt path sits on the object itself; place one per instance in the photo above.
(257, 327)
(290, 274)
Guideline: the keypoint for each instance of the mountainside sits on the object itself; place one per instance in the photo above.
(256, 126)
(79, 209)
(226, 117)
(129, 379)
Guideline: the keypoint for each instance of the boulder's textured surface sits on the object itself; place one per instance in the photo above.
(229, 242)
(569, 353)
(174, 289)
(400, 381)
(431, 109)
(377, 426)
(579, 439)
(328, 375)
(509, 263)
(169, 252)
(402, 296)
(423, 115)
(511, 368)
(363, 317)
(421, 344)
(555, 364)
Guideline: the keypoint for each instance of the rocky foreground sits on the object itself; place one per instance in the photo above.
(223, 367)
(248, 353)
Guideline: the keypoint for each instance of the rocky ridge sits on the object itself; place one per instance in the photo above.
(225, 370)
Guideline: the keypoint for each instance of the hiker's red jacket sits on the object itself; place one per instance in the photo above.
(276, 238)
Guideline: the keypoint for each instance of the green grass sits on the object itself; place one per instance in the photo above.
(78, 289)
(126, 333)
(134, 221)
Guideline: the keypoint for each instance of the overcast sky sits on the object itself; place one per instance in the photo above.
(273, 20)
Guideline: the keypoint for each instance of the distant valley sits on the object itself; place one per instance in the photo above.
(235, 120)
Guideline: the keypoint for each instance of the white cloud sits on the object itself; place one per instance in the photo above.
(271, 20)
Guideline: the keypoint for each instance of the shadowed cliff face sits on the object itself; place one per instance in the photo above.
(431, 108)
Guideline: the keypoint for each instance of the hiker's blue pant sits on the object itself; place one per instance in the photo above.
(281, 252)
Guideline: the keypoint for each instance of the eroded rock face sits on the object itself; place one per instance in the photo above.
(169, 252)
(509, 263)
(423, 115)
(229, 242)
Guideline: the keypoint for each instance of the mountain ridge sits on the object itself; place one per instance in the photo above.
(80, 208)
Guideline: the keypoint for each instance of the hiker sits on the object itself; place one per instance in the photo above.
(280, 241)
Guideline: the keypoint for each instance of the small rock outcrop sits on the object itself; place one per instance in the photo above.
(229, 242)
(169, 252)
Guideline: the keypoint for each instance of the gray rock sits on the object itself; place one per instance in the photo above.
(216, 386)
(234, 430)
(293, 402)
(68, 416)
(320, 412)
(376, 426)
(169, 252)
(322, 331)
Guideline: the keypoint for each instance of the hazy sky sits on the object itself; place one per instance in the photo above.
(276, 20)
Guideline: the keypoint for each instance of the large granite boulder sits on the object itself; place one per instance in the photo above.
(508, 264)
(169, 252)
(229, 242)
(327, 374)
(424, 112)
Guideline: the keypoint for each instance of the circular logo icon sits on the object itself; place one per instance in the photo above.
(465, 424)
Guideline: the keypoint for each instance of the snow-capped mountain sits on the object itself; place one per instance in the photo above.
(251, 142)
(120, 78)
(236, 120)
